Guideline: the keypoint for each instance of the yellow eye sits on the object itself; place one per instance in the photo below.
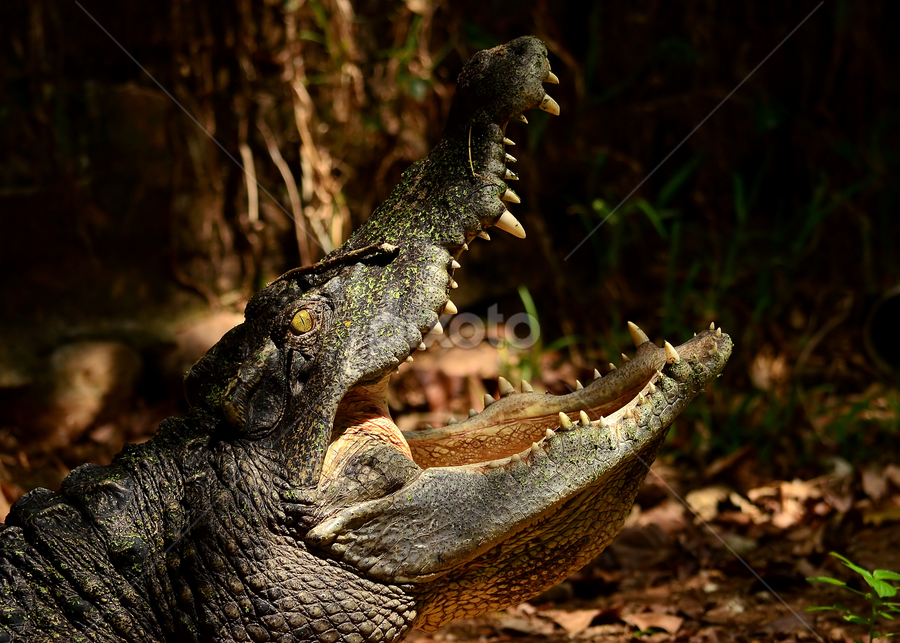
(302, 322)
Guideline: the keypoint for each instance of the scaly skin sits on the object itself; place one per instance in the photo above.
(287, 506)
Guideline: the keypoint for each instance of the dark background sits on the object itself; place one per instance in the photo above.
(124, 227)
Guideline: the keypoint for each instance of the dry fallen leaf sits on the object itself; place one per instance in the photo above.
(668, 622)
(572, 621)
(874, 483)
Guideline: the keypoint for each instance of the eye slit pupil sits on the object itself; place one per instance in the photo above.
(302, 322)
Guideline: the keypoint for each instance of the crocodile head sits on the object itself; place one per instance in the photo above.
(479, 514)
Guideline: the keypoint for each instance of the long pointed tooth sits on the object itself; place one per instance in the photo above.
(472, 413)
(510, 175)
(551, 78)
(597, 375)
(452, 420)
(640, 398)
(714, 350)
(578, 385)
(585, 420)
(625, 358)
(526, 387)
(450, 308)
(505, 387)
(409, 359)
(511, 159)
(549, 433)
(549, 105)
(453, 285)
(718, 332)
(465, 246)
(672, 355)
(651, 388)
(712, 325)
(508, 141)
(601, 422)
(437, 329)
(484, 235)
(612, 366)
(564, 422)
(488, 400)
(455, 264)
(508, 223)
(421, 346)
(509, 195)
(629, 414)
(521, 118)
(637, 335)
(536, 448)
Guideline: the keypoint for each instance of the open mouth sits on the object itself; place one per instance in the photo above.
(519, 426)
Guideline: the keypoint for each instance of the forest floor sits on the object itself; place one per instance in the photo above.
(710, 553)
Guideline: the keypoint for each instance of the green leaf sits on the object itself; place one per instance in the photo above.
(826, 579)
(837, 607)
(853, 618)
(883, 589)
(865, 573)
(885, 574)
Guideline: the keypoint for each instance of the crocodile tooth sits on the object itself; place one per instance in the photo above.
(637, 335)
(453, 285)
(505, 387)
(718, 332)
(508, 223)
(509, 195)
(612, 366)
(578, 385)
(714, 350)
(455, 264)
(515, 457)
(465, 246)
(629, 414)
(450, 308)
(625, 357)
(659, 374)
(526, 387)
(488, 400)
(651, 388)
(521, 118)
(421, 346)
(511, 176)
(640, 398)
(551, 78)
(494, 464)
(549, 433)
(536, 448)
(511, 159)
(484, 235)
(437, 329)
(564, 422)
(672, 355)
(428, 427)
(472, 413)
(585, 420)
(508, 141)
(409, 359)
(549, 105)
(597, 375)
(452, 420)
(712, 325)
(601, 422)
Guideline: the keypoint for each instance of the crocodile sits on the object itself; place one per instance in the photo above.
(286, 505)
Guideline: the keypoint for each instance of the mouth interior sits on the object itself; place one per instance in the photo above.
(519, 421)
